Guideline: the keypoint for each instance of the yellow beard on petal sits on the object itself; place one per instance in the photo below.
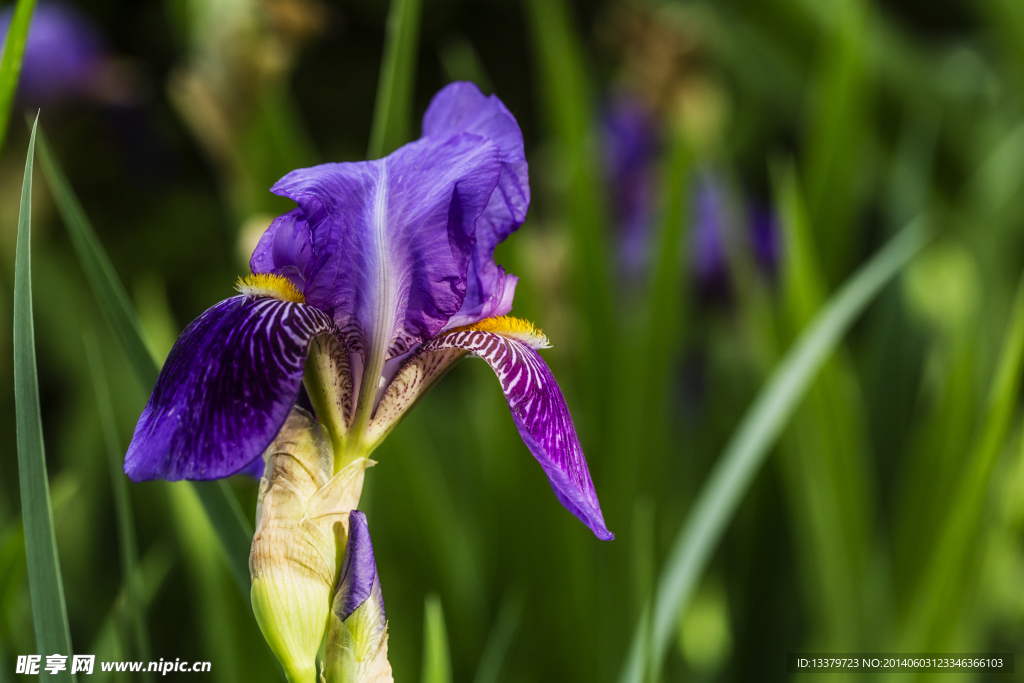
(514, 328)
(269, 285)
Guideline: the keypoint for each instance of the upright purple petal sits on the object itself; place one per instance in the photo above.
(383, 246)
(64, 55)
(540, 414)
(359, 570)
(629, 134)
(225, 390)
(462, 108)
(286, 249)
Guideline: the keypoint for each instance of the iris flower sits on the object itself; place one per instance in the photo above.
(379, 280)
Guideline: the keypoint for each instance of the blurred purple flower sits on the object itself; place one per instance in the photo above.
(764, 237)
(630, 137)
(64, 55)
(708, 256)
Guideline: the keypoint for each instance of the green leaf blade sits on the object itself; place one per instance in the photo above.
(219, 502)
(437, 662)
(107, 288)
(46, 587)
(757, 433)
(131, 578)
(233, 529)
(502, 633)
(950, 567)
(392, 114)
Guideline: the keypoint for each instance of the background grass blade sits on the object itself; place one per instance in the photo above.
(232, 527)
(437, 661)
(10, 64)
(758, 432)
(110, 294)
(940, 594)
(49, 613)
(221, 506)
(824, 450)
(568, 110)
(498, 642)
(130, 576)
(392, 114)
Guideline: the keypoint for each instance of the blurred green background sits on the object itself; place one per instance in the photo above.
(788, 140)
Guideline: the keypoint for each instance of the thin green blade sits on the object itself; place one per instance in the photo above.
(437, 662)
(130, 576)
(46, 588)
(221, 505)
(941, 592)
(233, 529)
(756, 434)
(568, 100)
(392, 114)
(10, 64)
(110, 294)
(502, 633)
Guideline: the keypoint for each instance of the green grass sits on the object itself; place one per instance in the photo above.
(753, 439)
(437, 662)
(392, 114)
(46, 586)
(233, 528)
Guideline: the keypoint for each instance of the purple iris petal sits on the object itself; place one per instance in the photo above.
(630, 139)
(64, 55)
(359, 570)
(225, 390)
(541, 416)
(286, 249)
(462, 108)
(383, 246)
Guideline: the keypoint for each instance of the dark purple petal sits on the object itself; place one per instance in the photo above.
(541, 416)
(383, 246)
(225, 390)
(629, 133)
(64, 55)
(462, 108)
(359, 570)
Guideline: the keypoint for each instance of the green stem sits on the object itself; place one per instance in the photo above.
(325, 384)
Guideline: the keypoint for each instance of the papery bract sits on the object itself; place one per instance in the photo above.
(301, 521)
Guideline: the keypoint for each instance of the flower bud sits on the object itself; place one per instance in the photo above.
(357, 635)
(301, 526)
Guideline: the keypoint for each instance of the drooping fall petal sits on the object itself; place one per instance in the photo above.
(510, 346)
(225, 391)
